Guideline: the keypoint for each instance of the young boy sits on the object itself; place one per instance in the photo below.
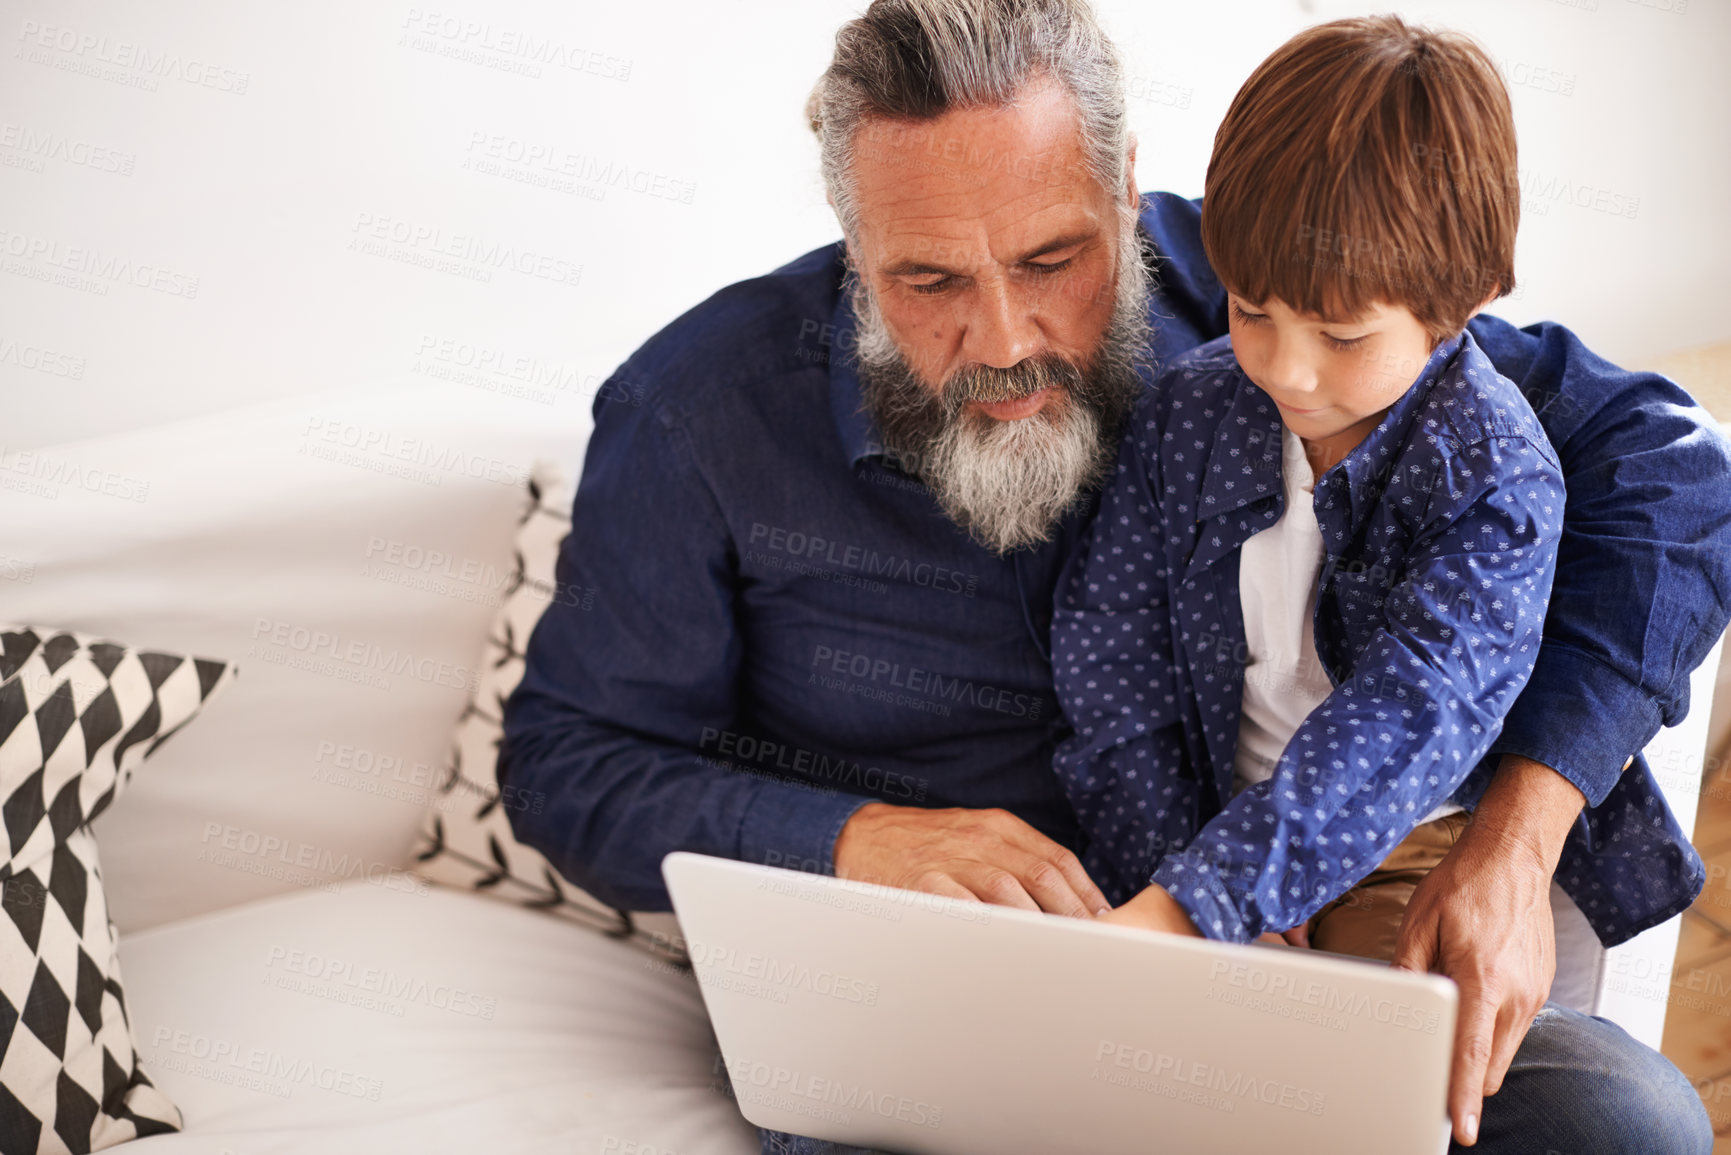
(1319, 577)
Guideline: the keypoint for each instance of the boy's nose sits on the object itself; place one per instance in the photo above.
(1289, 375)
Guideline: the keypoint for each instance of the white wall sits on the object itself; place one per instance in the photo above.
(256, 143)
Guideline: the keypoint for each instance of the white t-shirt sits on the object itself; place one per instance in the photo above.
(1277, 585)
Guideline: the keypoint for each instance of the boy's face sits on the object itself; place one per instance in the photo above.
(1332, 379)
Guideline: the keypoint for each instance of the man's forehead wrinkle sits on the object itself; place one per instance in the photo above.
(1008, 226)
(967, 142)
(917, 246)
(1027, 173)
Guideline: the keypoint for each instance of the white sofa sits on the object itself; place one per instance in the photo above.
(292, 987)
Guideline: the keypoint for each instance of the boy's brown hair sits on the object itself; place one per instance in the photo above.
(1367, 160)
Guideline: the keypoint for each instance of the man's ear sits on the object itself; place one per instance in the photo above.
(1130, 194)
(846, 245)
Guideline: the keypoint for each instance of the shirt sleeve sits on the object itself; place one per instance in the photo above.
(1643, 585)
(1111, 667)
(1191, 298)
(1459, 630)
(606, 725)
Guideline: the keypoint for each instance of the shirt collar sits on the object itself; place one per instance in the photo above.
(1364, 471)
(858, 432)
(1245, 464)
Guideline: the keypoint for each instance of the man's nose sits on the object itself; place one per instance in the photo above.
(1001, 331)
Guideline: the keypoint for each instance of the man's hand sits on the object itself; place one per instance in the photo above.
(1483, 918)
(1154, 909)
(984, 855)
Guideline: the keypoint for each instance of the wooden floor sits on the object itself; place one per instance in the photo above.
(1698, 1021)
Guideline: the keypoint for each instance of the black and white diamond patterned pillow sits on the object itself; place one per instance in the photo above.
(467, 840)
(77, 716)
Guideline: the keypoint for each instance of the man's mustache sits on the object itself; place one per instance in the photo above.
(989, 384)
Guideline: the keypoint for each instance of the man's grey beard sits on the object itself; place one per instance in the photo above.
(1009, 482)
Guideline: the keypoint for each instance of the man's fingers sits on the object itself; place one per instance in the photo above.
(1048, 887)
(1001, 888)
(1081, 897)
(1473, 1036)
(1417, 945)
(981, 855)
(1052, 889)
(1512, 1025)
(1089, 895)
(937, 882)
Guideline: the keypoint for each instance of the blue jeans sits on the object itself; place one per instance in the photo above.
(1578, 1086)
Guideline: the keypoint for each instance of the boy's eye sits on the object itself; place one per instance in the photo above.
(1340, 345)
(1246, 316)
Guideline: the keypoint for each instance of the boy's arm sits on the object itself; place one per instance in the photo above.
(1111, 637)
(1458, 636)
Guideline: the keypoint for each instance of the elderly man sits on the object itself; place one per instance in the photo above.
(826, 543)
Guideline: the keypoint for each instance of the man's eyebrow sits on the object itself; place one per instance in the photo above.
(1056, 243)
(915, 268)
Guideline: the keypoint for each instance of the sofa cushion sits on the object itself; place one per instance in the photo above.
(77, 716)
(467, 839)
(349, 549)
(374, 1019)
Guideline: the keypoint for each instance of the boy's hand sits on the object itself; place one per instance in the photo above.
(1153, 909)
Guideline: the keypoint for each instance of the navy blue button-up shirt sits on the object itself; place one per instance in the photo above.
(786, 626)
(1439, 533)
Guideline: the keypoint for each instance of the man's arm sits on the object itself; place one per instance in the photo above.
(1643, 585)
(1643, 589)
(1483, 918)
(609, 720)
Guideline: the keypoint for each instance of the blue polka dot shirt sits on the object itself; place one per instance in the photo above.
(1440, 534)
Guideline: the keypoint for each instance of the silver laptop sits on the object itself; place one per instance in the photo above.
(910, 1022)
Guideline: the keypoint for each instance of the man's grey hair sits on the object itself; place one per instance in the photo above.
(914, 60)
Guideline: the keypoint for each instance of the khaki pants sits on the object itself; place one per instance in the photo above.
(1365, 921)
